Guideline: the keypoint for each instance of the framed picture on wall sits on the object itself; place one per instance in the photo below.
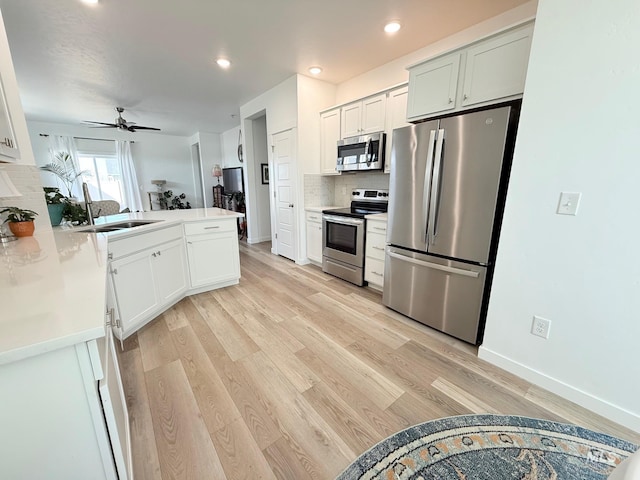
(265, 173)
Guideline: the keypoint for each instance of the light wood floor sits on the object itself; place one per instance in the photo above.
(293, 373)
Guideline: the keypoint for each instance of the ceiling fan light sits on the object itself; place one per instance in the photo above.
(223, 63)
(392, 27)
(315, 70)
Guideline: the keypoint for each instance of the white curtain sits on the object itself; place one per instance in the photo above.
(129, 178)
(58, 144)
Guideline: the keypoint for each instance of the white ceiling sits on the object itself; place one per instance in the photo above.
(155, 58)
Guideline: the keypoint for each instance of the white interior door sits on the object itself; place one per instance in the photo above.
(285, 193)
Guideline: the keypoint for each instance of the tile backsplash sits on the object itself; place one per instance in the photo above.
(335, 190)
(318, 191)
(26, 179)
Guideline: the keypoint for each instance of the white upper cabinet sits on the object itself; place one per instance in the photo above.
(396, 118)
(364, 117)
(487, 72)
(329, 136)
(8, 148)
(433, 86)
(496, 68)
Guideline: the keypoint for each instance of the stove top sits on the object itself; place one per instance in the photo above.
(363, 202)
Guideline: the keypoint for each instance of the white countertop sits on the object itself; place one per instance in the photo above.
(377, 216)
(320, 209)
(52, 285)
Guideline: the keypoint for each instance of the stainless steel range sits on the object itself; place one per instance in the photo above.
(343, 234)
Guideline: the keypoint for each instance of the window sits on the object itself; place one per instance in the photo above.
(103, 176)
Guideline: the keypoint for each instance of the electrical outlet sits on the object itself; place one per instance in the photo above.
(540, 327)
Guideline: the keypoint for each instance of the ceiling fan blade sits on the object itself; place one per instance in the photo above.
(112, 125)
(103, 126)
(133, 128)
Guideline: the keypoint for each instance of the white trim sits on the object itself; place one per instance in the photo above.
(584, 399)
(264, 238)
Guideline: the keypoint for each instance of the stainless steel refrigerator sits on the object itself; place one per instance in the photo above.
(447, 186)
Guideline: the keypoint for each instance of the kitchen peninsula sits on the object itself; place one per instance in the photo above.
(59, 383)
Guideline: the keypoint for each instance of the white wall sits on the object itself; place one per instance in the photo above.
(261, 155)
(279, 104)
(156, 156)
(579, 132)
(230, 148)
(395, 72)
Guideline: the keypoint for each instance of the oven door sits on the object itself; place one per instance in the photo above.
(343, 239)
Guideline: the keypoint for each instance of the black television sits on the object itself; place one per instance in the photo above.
(233, 179)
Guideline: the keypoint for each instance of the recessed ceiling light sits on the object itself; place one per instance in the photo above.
(392, 27)
(315, 70)
(223, 62)
(90, 1)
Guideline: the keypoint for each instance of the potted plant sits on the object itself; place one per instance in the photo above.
(56, 203)
(64, 168)
(20, 221)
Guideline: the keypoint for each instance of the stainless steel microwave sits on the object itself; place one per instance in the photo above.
(361, 153)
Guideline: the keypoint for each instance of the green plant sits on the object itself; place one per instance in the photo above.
(175, 203)
(74, 212)
(53, 196)
(17, 214)
(64, 168)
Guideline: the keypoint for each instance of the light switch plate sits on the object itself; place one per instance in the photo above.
(569, 202)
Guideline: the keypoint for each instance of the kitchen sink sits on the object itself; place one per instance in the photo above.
(114, 227)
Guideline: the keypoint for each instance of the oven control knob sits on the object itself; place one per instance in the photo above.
(355, 193)
(379, 194)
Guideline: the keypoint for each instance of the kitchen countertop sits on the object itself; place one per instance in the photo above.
(52, 285)
(320, 209)
(377, 216)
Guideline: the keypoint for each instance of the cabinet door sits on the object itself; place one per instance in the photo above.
(373, 114)
(351, 116)
(169, 270)
(433, 86)
(497, 68)
(114, 407)
(213, 258)
(134, 287)
(329, 136)
(396, 118)
(314, 241)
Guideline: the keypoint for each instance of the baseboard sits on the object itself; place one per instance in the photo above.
(595, 404)
(253, 240)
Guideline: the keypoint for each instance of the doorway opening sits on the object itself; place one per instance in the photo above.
(261, 218)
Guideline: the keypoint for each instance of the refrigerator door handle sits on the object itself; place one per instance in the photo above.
(435, 187)
(435, 266)
(427, 184)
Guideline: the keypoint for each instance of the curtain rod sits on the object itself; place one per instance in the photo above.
(88, 138)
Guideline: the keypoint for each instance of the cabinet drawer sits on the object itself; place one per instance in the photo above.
(126, 246)
(374, 271)
(376, 227)
(198, 228)
(375, 245)
(314, 217)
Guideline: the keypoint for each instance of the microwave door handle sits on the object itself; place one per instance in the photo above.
(427, 184)
(435, 186)
(368, 153)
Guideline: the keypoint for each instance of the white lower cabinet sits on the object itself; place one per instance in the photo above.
(146, 282)
(374, 252)
(212, 250)
(59, 419)
(314, 236)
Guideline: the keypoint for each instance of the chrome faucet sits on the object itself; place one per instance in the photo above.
(88, 203)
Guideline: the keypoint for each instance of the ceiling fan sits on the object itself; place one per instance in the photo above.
(121, 123)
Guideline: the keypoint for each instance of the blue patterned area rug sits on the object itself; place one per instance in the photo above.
(491, 447)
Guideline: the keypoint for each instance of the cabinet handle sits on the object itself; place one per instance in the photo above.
(209, 228)
(159, 253)
(376, 273)
(7, 141)
(312, 217)
(451, 100)
(377, 248)
(112, 321)
(154, 254)
(380, 228)
(110, 256)
(464, 97)
(190, 243)
(114, 271)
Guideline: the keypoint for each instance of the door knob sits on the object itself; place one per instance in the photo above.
(291, 205)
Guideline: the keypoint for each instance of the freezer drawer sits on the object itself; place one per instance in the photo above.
(440, 293)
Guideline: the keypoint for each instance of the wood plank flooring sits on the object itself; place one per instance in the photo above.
(293, 373)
